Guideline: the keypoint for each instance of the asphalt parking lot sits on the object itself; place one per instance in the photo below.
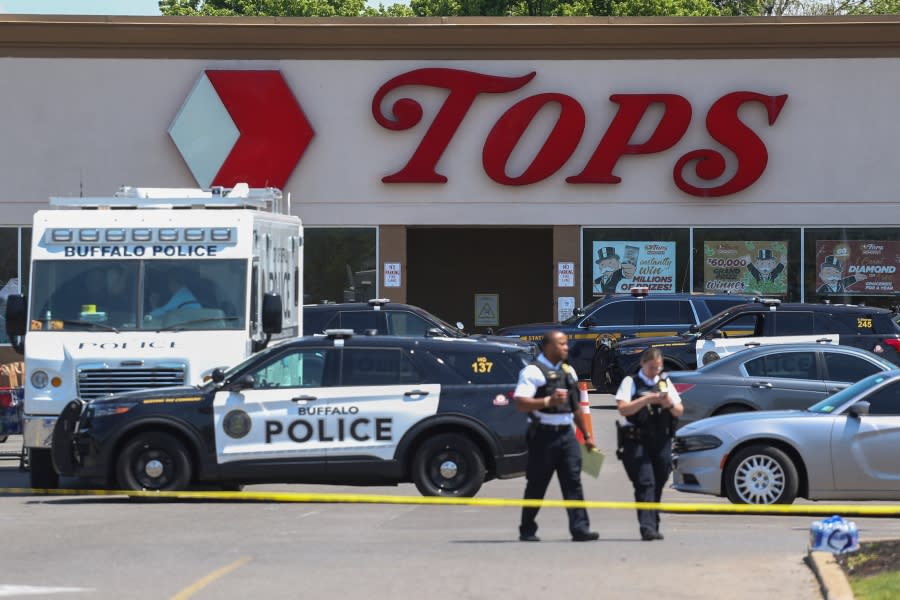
(96, 547)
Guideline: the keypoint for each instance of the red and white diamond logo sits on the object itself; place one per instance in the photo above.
(241, 126)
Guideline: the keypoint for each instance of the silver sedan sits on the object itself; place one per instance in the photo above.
(783, 376)
(843, 448)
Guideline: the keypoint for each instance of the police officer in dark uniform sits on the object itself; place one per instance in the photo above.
(651, 407)
(548, 391)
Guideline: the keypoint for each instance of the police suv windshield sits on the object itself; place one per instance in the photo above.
(138, 294)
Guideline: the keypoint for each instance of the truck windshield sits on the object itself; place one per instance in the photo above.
(138, 294)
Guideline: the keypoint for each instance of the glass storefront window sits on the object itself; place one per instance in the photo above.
(340, 264)
(852, 265)
(764, 261)
(615, 260)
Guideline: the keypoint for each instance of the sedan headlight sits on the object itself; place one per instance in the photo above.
(106, 409)
(696, 443)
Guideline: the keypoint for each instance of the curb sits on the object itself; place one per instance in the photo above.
(830, 575)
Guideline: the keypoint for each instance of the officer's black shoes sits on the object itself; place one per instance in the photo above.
(648, 535)
(586, 536)
(529, 538)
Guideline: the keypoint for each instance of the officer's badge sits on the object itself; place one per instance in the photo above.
(237, 424)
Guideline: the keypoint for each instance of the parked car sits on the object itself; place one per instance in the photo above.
(763, 321)
(380, 315)
(601, 324)
(336, 408)
(783, 376)
(842, 448)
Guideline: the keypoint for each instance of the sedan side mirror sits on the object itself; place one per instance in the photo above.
(434, 332)
(858, 409)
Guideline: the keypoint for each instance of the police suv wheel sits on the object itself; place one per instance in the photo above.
(449, 464)
(154, 460)
(599, 377)
(761, 475)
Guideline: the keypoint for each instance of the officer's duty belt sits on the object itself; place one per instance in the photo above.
(554, 427)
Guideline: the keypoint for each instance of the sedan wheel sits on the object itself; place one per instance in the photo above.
(761, 475)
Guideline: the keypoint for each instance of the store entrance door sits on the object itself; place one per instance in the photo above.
(447, 267)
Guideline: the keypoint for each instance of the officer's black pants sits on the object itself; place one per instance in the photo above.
(554, 450)
(648, 464)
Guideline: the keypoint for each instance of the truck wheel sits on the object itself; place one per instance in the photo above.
(448, 464)
(43, 475)
(154, 461)
(761, 475)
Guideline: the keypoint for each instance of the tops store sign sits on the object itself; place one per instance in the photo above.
(246, 125)
(722, 123)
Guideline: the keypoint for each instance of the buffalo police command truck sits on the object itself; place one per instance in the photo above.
(149, 288)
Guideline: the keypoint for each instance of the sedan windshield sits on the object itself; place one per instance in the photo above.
(838, 399)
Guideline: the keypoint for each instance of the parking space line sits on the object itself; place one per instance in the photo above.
(207, 579)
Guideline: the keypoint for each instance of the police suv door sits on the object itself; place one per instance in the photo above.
(384, 394)
(741, 331)
(277, 418)
(766, 327)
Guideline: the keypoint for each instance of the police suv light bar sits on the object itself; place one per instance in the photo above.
(640, 290)
(376, 302)
(339, 334)
(768, 301)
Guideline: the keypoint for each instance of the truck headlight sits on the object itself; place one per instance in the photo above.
(40, 379)
(696, 443)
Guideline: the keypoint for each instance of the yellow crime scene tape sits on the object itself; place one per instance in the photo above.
(880, 510)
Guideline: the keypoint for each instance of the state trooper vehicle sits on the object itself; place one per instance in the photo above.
(594, 329)
(337, 408)
(763, 321)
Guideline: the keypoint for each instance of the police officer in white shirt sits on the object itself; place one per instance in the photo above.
(548, 391)
(651, 407)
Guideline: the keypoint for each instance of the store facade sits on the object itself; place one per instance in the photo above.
(492, 171)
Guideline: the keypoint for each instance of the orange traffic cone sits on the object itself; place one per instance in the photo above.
(585, 403)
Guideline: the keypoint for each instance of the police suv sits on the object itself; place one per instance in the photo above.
(763, 321)
(594, 329)
(337, 408)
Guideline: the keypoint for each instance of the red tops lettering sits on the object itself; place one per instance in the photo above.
(463, 87)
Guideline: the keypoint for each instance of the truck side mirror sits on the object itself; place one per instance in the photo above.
(271, 313)
(16, 311)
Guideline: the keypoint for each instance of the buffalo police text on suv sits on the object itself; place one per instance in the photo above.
(596, 327)
(338, 408)
(765, 321)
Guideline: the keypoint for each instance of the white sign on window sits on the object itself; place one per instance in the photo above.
(566, 274)
(391, 274)
(565, 307)
(487, 310)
